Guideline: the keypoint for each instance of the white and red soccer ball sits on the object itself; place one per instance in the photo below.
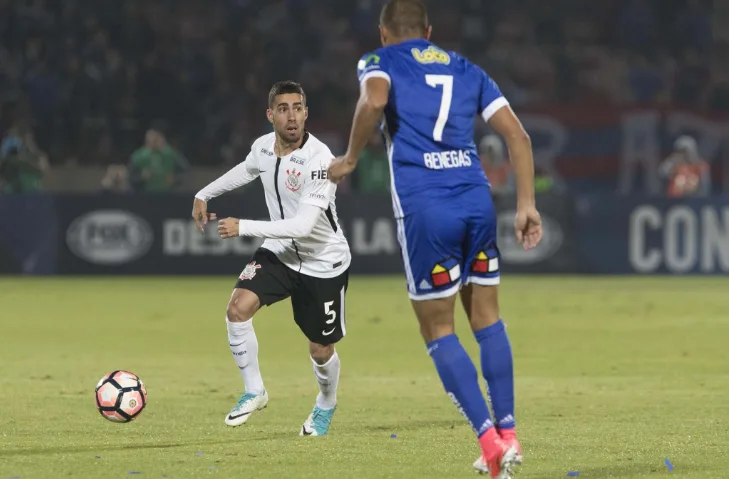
(120, 396)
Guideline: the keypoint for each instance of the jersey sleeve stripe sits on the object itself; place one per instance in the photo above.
(495, 106)
(375, 74)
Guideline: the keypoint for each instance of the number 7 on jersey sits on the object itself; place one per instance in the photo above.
(446, 81)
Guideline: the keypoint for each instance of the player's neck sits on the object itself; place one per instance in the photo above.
(283, 148)
(405, 38)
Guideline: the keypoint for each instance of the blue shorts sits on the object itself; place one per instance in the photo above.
(449, 245)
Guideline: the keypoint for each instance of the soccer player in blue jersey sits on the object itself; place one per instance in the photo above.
(427, 100)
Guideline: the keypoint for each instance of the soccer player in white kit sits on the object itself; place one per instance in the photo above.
(305, 255)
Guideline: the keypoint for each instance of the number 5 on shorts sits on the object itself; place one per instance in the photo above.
(332, 317)
(328, 311)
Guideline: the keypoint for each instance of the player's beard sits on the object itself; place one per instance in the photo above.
(290, 136)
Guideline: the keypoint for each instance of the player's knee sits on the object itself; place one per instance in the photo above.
(483, 310)
(242, 306)
(436, 330)
(321, 353)
(436, 325)
(483, 319)
(435, 318)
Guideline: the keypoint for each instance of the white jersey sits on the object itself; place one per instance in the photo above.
(300, 177)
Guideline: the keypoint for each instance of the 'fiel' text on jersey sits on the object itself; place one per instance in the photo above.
(319, 174)
(439, 160)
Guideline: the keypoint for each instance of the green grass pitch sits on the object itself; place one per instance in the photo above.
(613, 376)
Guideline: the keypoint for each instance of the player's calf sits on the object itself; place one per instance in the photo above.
(455, 368)
(326, 369)
(243, 345)
(321, 353)
(481, 305)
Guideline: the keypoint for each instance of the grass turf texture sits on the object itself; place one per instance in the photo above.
(613, 376)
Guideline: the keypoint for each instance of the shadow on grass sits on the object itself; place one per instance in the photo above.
(617, 470)
(412, 425)
(395, 427)
(39, 451)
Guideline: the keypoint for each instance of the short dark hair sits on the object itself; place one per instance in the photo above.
(405, 17)
(283, 88)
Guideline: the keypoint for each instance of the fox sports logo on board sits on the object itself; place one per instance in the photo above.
(109, 237)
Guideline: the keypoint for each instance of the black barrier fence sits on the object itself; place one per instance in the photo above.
(154, 234)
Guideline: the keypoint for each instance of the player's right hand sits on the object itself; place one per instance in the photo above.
(200, 214)
(341, 167)
(528, 225)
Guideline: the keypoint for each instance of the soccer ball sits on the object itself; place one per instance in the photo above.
(120, 396)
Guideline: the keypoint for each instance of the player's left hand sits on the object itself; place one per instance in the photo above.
(528, 225)
(228, 228)
(341, 167)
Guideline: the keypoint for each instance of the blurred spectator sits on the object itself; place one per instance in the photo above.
(22, 163)
(685, 172)
(496, 165)
(93, 73)
(116, 179)
(373, 176)
(156, 165)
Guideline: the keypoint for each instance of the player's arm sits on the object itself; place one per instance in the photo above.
(299, 226)
(316, 193)
(528, 223)
(239, 175)
(370, 106)
(505, 122)
(373, 98)
(495, 110)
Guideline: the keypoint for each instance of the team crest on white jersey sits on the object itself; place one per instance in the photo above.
(293, 182)
(250, 270)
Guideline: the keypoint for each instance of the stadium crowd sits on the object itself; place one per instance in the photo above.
(87, 78)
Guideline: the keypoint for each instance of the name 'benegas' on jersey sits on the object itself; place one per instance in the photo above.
(439, 160)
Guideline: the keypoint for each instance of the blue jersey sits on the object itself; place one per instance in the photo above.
(445, 216)
(435, 97)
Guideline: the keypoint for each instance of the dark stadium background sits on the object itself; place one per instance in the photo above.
(618, 320)
(604, 88)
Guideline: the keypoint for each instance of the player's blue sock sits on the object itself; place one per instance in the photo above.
(498, 370)
(460, 379)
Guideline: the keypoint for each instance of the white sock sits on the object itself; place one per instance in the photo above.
(327, 375)
(244, 346)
